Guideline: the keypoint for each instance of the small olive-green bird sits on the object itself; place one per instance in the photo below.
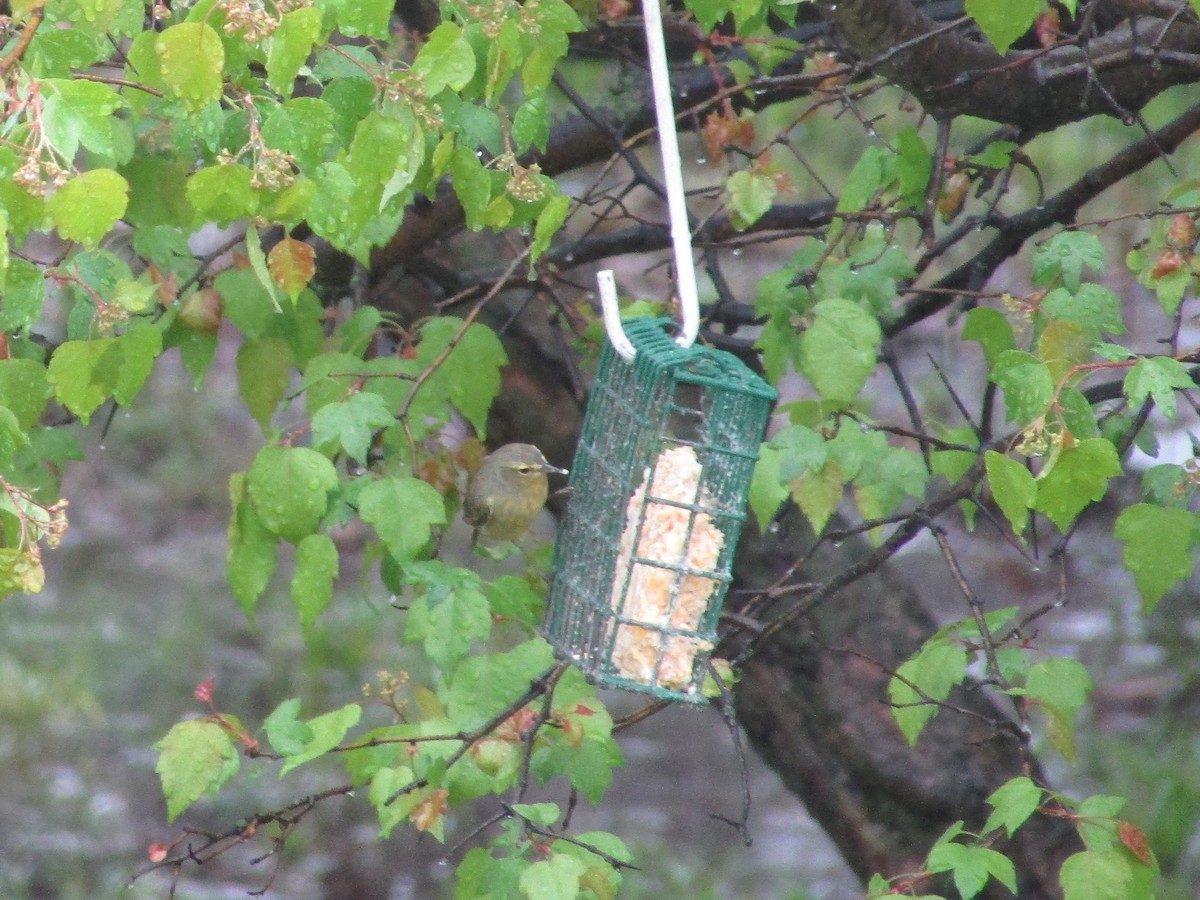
(507, 491)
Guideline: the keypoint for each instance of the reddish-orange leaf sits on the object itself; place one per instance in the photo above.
(1168, 261)
(1135, 842)
(953, 195)
(201, 310)
(168, 284)
(429, 812)
(613, 11)
(716, 135)
(1047, 28)
(291, 264)
(1182, 233)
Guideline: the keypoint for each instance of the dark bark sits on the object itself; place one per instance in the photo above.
(1114, 73)
(812, 701)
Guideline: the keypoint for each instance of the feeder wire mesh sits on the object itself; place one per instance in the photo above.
(658, 497)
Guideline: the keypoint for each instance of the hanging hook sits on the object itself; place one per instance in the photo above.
(612, 315)
(681, 236)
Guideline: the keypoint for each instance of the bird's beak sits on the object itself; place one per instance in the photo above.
(555, 469)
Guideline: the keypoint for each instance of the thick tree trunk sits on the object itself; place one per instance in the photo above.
(812, 701)
(812, 698)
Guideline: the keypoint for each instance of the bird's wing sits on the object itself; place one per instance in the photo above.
(475, 513)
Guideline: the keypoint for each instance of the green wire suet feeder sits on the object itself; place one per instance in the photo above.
(658, 497)
(660, 478)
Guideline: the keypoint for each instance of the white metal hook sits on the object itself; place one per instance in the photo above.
(612, 315)
(681, 236)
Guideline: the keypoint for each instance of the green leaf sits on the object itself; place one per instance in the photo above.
(749, 195)
(1002, 23)
(290, 487)
(1168, 484)
(837, 351)
(83, 374)
(386, 784)
(991, 330)
(366, 18)
(801, 449)
(80, 113)
(20, 571)
(384, 156)
(1012, 804)
(602, 878)
(1062, 346)
(191, 58)
(194, 758)
(1078, 476)
(708, 12)
(1013, 488)
(312, 583)
(544, 814)
(1076, 415)
(1113, 352)
(1093, 307)
(1060, 686)
(327, 732)
(223, 193)
(855, 447)
(972, 866)
(12, 437)
(531, 124)
(87, 207)
(24, 389)
(251, 559)
(935, 669)
(818, 493)
(469, 377)
(1090, 875)
(1159, 544)
(24, 294)
(472, 183)
(447, 619)
(588, 765)
(287, 734)
(403, 512)
(473, 369)
(1158, 377)
(1097, 823)
(555, 878)
(996, 155)
(351, 424)
(483, 685)
(768, 490)
(1068, 253)
(864, 180)
(289, 47)
(140, 346)
(892, 476)
(549, 221)
(303, 127)
(446, 60)
(513, 599)
(913, 166)
(264, 369)
(1026, 383)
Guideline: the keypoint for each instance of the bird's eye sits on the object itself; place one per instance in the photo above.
(524, 468)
